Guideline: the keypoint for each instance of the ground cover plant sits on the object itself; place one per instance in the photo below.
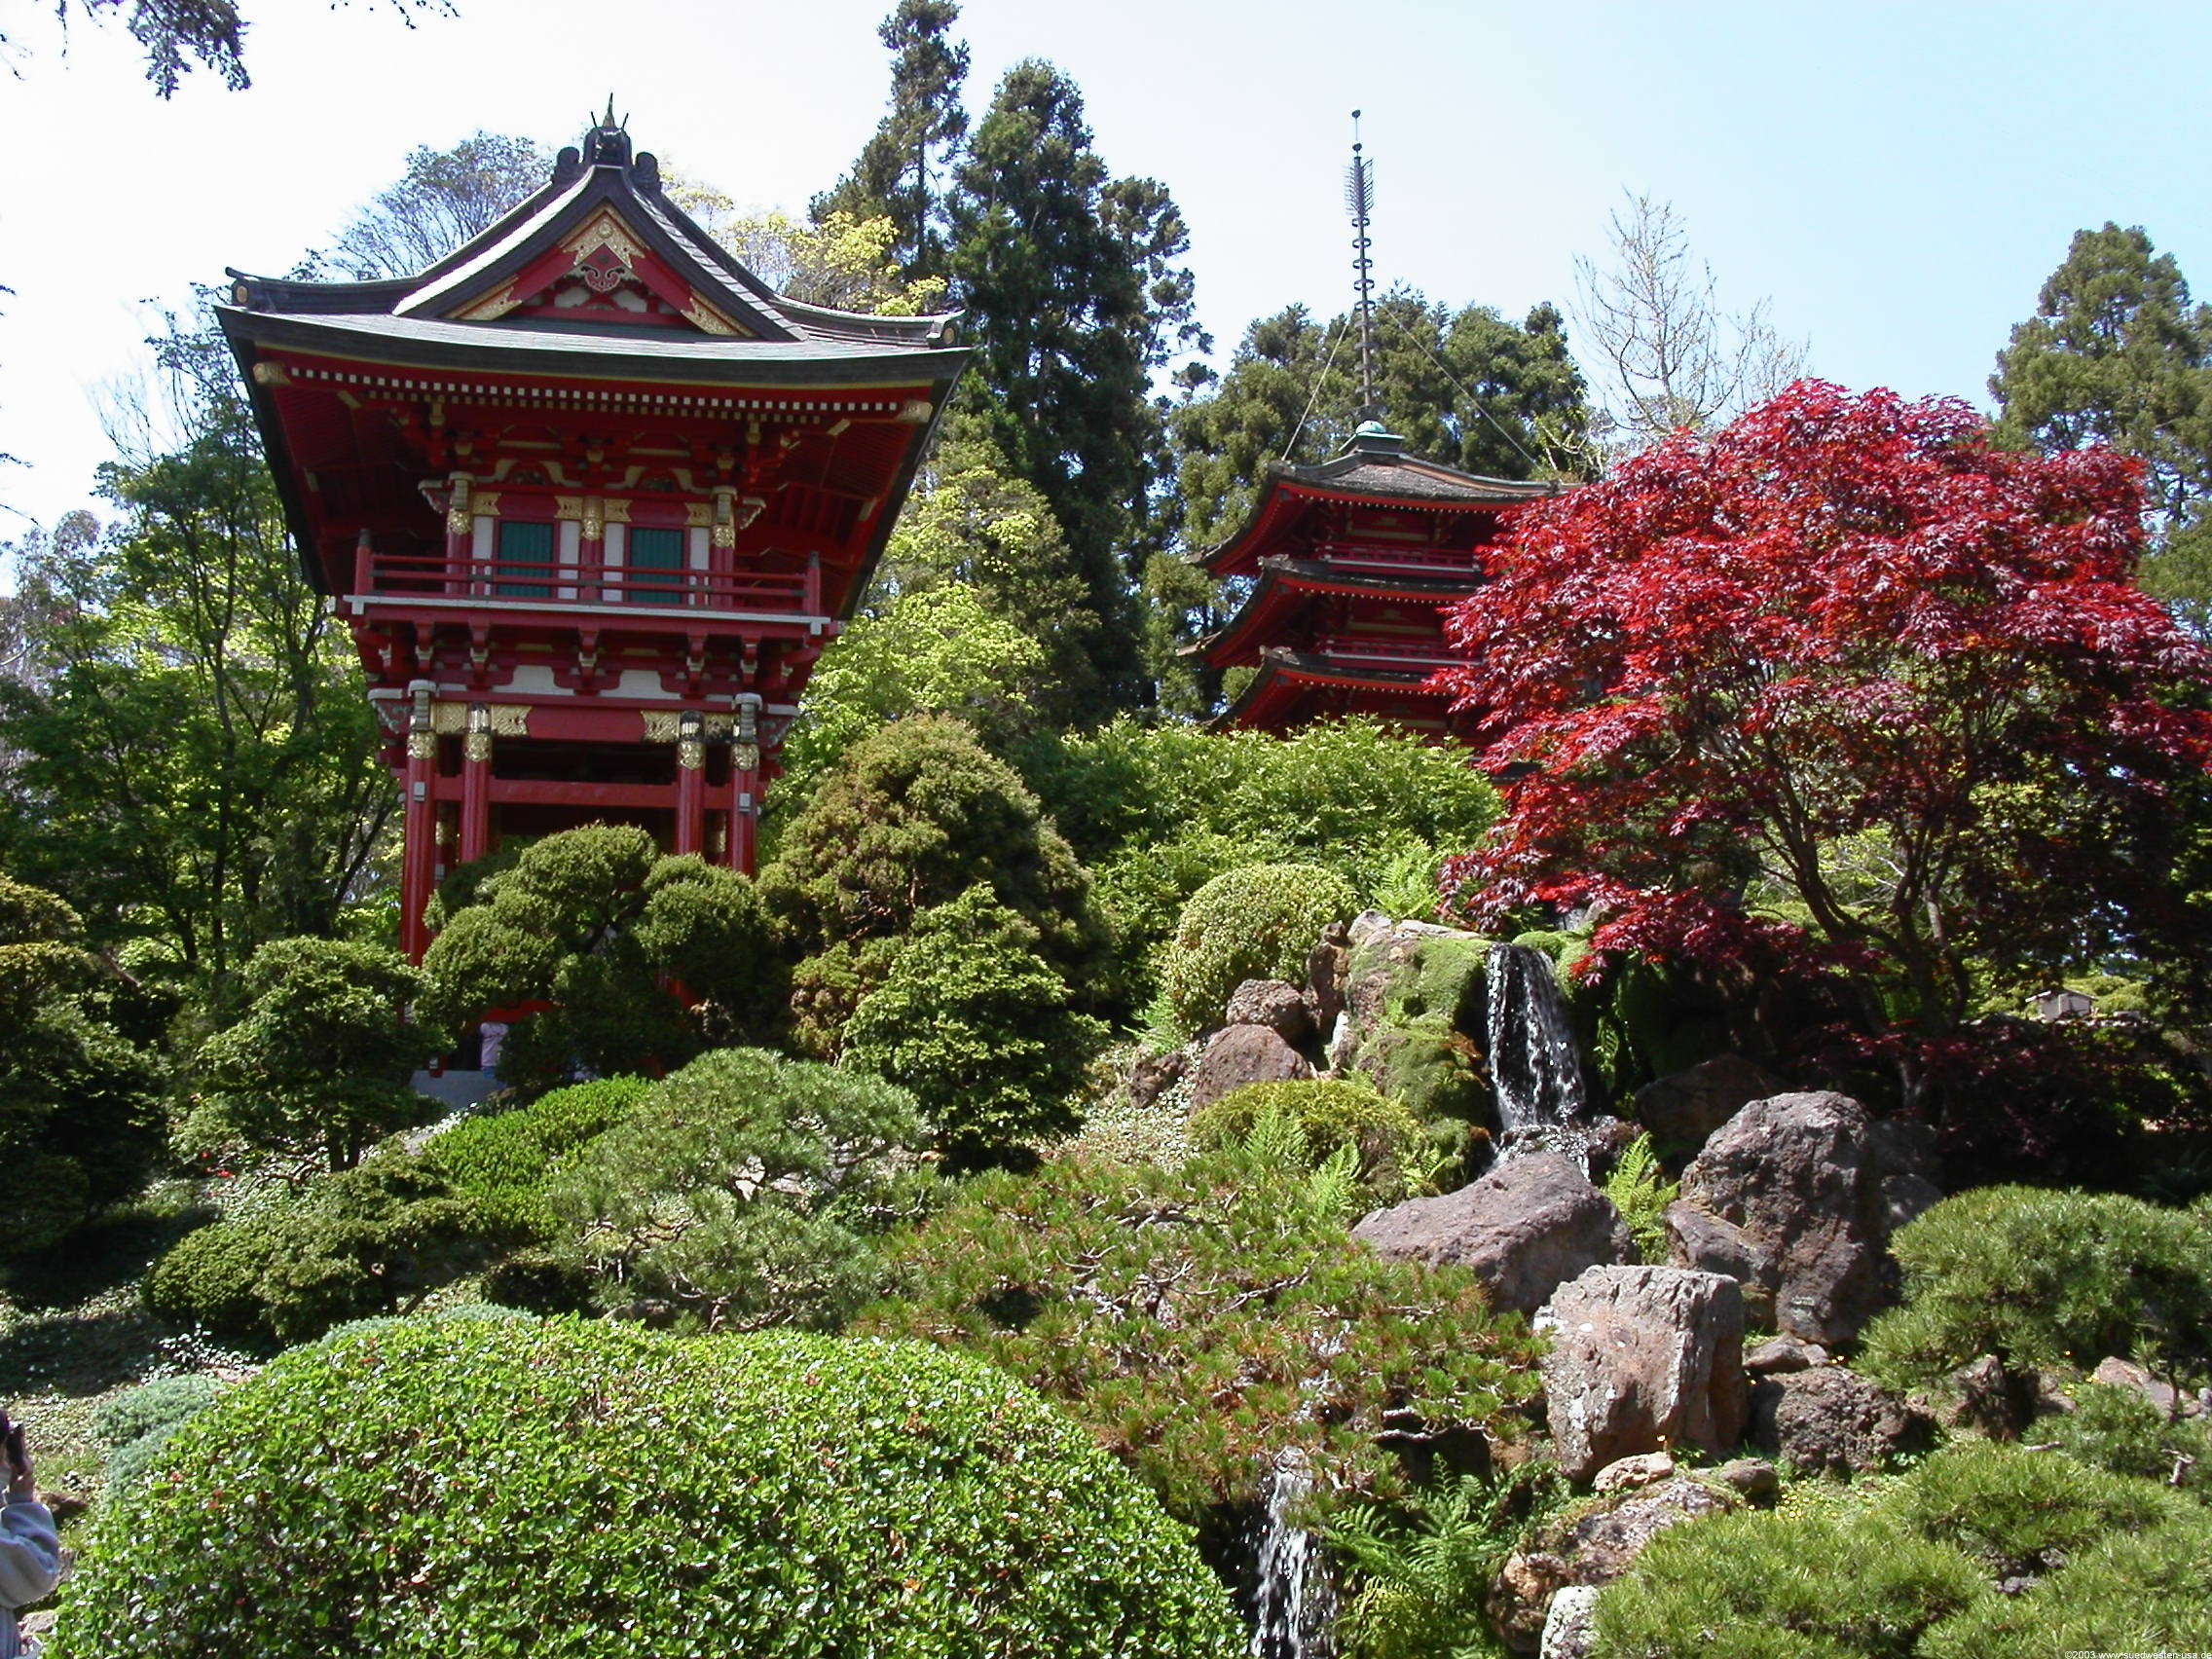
(502, 1488)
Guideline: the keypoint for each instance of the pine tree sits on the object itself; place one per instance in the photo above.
(899, 170)
(2118, 355)
(1075, 299)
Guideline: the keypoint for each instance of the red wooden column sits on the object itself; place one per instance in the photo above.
(418, 827)
(476, 784)
(690, 785)
(745, 783)
(460, 537)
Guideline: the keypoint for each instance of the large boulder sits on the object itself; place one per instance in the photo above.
(1277, 1004)
(1593, 1548)
(1643, 1359)
(1414, 1017)
(1244, 1053)
(1794, 1197)
(1526, 1228)
(1833, 1421)
(1682, 1109)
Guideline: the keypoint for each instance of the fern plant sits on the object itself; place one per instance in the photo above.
(1425, 1569)
(1640, 1190)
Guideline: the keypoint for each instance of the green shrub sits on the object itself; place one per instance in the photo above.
(445, 1488)
(2143, 1593)
(1260, 922)
(1198, 1320)
(1785, 1585)
(745, 1190)
(2019, 1511)
(504, 1161)
(978, 1024)
(2118, 1429)
(1330, 1114)
(2045, 1278)
(362, 1241)
(1640, 1190)
(137, 1423)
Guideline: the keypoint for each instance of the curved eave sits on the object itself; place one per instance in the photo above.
(491, 348)
(1284, 674)
(1284, 496)
(1284, 581)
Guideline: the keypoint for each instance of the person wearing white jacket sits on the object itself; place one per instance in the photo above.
(30, 1552)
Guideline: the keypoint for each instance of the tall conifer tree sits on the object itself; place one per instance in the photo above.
(900, 173)
(2116, 353)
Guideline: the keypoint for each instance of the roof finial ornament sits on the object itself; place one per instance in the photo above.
(606, 142)
(1359, 197)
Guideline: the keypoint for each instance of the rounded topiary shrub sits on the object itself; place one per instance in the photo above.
(213, 1275)
(504, 1161)
(1260, 922)
(579, 1489)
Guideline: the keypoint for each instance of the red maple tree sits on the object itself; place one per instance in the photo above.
(1840, 686)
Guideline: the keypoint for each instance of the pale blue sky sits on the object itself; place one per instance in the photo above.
(1898, 179)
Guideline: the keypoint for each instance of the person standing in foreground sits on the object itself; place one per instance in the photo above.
(30, 1551)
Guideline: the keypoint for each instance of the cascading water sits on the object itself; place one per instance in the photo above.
(1296, 1603)
(1533, 1063)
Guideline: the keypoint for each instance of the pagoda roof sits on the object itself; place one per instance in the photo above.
(1374, 469)
(602, 220)
(1284, 582)
(1287, 677)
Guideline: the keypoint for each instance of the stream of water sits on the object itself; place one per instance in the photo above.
(1296, 1605)
(1533, 1063)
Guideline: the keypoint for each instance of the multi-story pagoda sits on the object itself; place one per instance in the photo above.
(1352, 564)
(592, 497)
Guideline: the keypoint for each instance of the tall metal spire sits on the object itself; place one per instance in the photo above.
(1359, 197)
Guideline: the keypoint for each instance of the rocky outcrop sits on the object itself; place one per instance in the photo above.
(1275, 1004)
(1526, 1228)
(1152, 1075)
(1682, 1109)
(2117, 1373)
(1794, 1197)
(1570, 1626)
(1643, 1359)
(1414, 1017)
(1832, 1421)
(1595, 1548)
(1778, 1356)
(1244, 1053)
(1325, 968)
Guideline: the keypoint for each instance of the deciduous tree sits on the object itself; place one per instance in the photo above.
(445, 198)
(1846, 684)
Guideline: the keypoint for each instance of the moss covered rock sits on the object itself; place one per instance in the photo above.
(1415, 1016)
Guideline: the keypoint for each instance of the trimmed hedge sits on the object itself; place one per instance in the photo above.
(1259, 922)
(574, 1489)
(504, 1162)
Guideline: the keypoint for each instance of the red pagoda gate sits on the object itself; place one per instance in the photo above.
(1354, 561)
(593, 498)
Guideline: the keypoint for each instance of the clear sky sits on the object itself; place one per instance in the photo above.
(1897, 179)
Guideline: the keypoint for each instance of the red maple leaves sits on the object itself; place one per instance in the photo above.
(1840, 683)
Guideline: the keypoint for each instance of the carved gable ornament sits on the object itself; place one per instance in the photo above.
(604, 270)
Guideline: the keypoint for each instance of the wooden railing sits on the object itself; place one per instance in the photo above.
(1405, 655)
(1407, 561)
(432, 577)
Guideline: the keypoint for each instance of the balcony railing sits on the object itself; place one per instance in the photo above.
(1404, 561)
(1407, 657)
(431, 578)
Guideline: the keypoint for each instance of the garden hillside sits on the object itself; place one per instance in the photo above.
(1103, 1181)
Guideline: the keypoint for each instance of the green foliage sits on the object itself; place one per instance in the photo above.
(979, 1026)
(503, 1162)
(1159, 811)
(499, 1488)
(360, 1242)
(594, 921)
(2116, 353)
(79, 1115)
(134, 1425)
(937, 650)
(1257, 922)
(912, 817)
(1467, 389)
(744, 1190)
(321, 1061)
(2083, 1557)
(197, 764)
(2120, 1429)
(1425, 1569)
(2046, 1279)
(1202, 1320)
(1638, 1188)
(1388, 1147)
(1809, 1584)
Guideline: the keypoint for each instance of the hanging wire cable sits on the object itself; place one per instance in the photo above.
(1314, 397)
(1460, 388)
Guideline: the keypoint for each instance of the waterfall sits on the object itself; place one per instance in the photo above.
(1534, 1063)
(1296, 1603)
